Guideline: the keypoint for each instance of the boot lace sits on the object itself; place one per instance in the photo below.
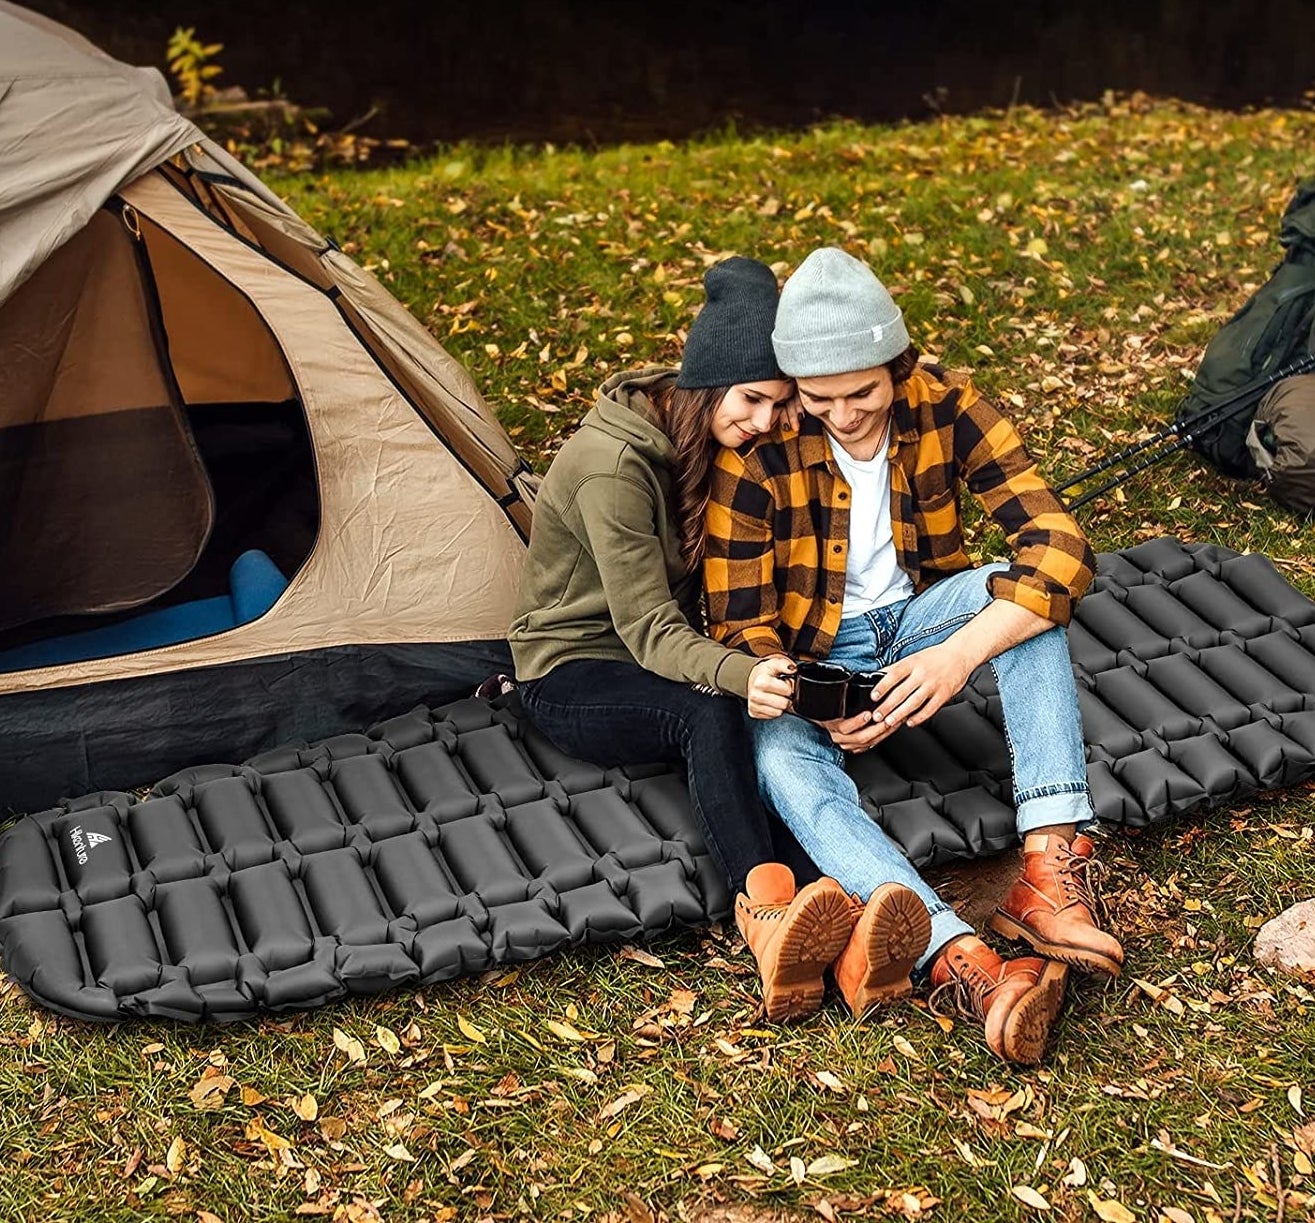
(1081, 879)
(764, 911)
(964, 993)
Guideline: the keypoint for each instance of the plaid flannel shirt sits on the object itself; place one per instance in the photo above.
(778, 519)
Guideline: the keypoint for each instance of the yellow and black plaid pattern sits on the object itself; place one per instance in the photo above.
(778, 519)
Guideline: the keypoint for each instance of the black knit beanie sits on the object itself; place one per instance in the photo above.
(731, 340)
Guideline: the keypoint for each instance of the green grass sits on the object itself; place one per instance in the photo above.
(1077, 262)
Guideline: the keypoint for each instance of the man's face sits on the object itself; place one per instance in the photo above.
(853, 408)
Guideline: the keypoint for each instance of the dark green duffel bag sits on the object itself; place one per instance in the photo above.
(1270, 330)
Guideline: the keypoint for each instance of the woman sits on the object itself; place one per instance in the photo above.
(611, 666)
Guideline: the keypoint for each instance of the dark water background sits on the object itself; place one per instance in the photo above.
(597, 72)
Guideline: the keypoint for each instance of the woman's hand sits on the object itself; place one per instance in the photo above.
(792, 413)
(771, 687)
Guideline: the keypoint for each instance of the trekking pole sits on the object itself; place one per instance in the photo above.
(1186, 439)
(1181, 444)
(1224, 410)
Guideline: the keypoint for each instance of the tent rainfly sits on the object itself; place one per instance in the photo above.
(245, 496)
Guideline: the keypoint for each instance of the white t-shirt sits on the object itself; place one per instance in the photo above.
(873, 577)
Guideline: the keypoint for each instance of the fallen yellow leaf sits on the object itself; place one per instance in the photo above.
(624, 1101)
(1029, 1197)
(274, 1143)
(470, 1031)
(1110, 1210)
(563, 1031)
(1077, 1173)
(629, 952)
(209, 1091)
(1025, 1129)
(349, 1046)
(825, 1165)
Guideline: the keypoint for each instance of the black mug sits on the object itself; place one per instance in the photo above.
(825, 691)
(819, 691)
(860, 692)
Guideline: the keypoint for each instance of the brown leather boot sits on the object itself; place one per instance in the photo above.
(795, 936)
(890, 932)
(1016, 1000)
(1053, 906)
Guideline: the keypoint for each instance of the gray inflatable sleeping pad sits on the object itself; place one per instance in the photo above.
(446, 841)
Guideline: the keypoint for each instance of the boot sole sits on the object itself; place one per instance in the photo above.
(816, 933)
(893, 934)
(1027, 1029)
(1076, 957)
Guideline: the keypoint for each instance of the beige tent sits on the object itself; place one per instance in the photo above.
(190, 377)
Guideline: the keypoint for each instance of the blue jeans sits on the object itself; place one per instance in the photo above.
(801, 773)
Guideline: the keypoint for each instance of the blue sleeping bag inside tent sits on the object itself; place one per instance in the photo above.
(255, 584)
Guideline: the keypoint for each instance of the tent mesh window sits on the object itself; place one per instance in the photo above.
(105, 499)
(150, 434)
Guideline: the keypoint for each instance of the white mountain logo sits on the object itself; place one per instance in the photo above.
(85, 842)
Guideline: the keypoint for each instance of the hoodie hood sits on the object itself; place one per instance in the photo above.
(626, 411)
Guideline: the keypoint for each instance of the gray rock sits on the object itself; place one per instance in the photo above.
(1287, 942)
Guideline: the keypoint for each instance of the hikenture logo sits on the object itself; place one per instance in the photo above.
(85, 842)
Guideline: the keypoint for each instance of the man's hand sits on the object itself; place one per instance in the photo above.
(855, 734)
(911, 691)
(916, 687)
(771, 687)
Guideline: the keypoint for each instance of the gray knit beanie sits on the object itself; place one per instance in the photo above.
(731, 340)
(835, 317)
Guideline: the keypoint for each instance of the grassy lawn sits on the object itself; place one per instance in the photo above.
(1077, 262)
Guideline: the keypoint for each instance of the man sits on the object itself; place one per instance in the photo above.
(843, 540)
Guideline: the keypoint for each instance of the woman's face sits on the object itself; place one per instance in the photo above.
(748, 409)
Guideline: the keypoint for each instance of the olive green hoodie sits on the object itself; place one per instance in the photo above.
(604, 578)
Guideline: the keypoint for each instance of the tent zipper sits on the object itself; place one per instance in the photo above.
(160, 339)
(154, 310)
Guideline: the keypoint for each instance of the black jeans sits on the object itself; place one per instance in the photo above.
(613, 713)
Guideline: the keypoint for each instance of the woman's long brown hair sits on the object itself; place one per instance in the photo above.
(686, 416)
